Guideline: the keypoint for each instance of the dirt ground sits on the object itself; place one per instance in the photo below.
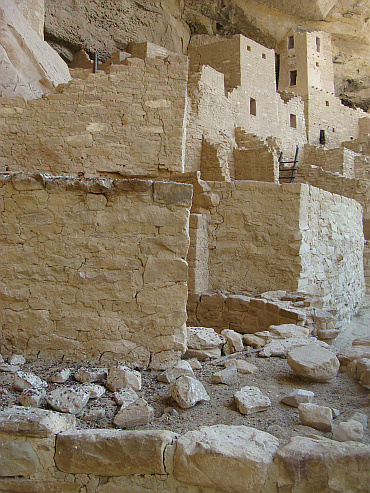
(274, 378)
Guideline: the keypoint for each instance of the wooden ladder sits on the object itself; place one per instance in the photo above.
(288, 174)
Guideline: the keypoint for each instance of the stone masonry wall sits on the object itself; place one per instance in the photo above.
(94, 268)
(340, 160)
(129, 121)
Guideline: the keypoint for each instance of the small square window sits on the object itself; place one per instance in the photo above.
(290, 42)
(249, 48)
(264, 56)
(293, 121)
(293, 77)
(253, 107)
(317, 64)
(318, 44)
(327, 103)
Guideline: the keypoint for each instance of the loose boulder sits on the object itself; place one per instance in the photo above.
(250, 400)
(68, 400)
(120, 377)
(181, 368)
(136, 414)
(350, 430)
(313, 362)
(297, 397)
(187, 391)
(318, 417)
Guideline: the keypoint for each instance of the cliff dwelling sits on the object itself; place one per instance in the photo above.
(184, 232)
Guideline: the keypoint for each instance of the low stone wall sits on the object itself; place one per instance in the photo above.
(94, 268)
(42, 452)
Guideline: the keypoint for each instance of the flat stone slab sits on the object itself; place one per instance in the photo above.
(90, 375)
(203, 338)
(280, 347)
(33, 422)
(350, 430)
(112, 452)
(318, 417)
(362, 341)
(125, 397)
(17, 458)
(234, 459)
(68, 400)
(313, 362)
(228, 376)
(349, 354)
(187, 391)
(334, 466)
(181, 368)
(26, 380)
(120, 377)
(241, 366)
(250, 400)
(298, 396)
(289, 330)
(136, 414)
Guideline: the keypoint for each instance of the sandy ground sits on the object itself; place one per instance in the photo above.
(274, 378)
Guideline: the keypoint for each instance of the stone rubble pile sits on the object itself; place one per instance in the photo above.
(355, 361)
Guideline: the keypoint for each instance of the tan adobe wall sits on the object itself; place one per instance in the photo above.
(94, 268)
(263, 236)
(340, 160)
(130, 121)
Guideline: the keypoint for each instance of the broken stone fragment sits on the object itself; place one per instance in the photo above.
(350, 430)
(253, 341)
(181, 368)
(93, 414)
(203, 338)
(33, 422)
(234, 459)
(89, 375)
(313, 362)
(204, 354)
(1, 359)
(365, 379)
(347, 355)
(95, 390)
(125, 397)
(136, 414)
(32, 397)
(60, 376)
(6, 368)
(356, 367)
(363, 341)
(361, 418)
(241, 366)
(250, 400)
(228, 376)
(25, 380)
(318, 417)
(120, 377)
(234, 342)
(280, 347)
(68, 400)
(187, 391)
(289, 330)
(16, 359)
(297, 397)
(195, 364)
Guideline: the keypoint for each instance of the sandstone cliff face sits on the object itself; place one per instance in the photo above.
(104, 27)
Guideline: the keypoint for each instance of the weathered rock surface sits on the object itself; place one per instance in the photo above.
(234, 341)
(313, 362)
(349, 354)
(289, 330)
(121, 377)
(319, 417)
(228, 376)
(187, 391)
(32, 397)
(298, 396)
(32, 422)
(94, 390)
(126, 452)
(304, 463)
(280, 347)
(250, 400)
(60, 376)
(365, 379)
(68, 400)
(181, 368)
(30, 67)
(88, 375)
(16, 359)
(18, 458)
(125, 397)
(26, 380)
(136, 414)
(362, 341)
(203, 338)
(241, 365)
(350, 430)
(233, 459)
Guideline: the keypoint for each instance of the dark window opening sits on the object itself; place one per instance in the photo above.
(317, 44)
(327, 103)
(290, 42)
(253, 107)
(249, 48)
(293, 120)
(264, 56)
(293, 77)
(322, 137)
(277, 69)
(317, 64)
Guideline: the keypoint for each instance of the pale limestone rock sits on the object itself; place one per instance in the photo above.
(120, 377)
(125, 397)
(204, 354)
(350, 430)
(26, 380)
(280, 347)
(362, 365)
(16, 359)
(365, 379)
(5, 367)
(181, 368)
(136, 414)
(195, 364)
(233, 459)
(297, 397)
(187, 391)
(89, 375)
(361, 418)
(126, 452)
(60, 376)
(18, 458)
(254, 341)
(250, 400)
(318, 417)
(203, 338)
(93, 414)
(227, 376)
(94, 389)
(363, 341)
(33, 422)
(32, 397)
(289, 330)
(1, 359)
(304, 463)
(347, 355)
(313, 362)
(242, 366)
(68, 400)
(351, 369)
(234, 342)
